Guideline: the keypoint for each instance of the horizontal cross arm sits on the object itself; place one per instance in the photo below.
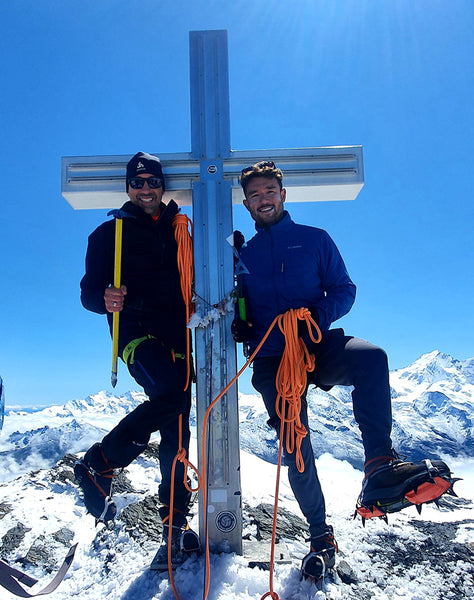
(314, 174)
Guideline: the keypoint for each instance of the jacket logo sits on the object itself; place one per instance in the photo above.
(294, 247)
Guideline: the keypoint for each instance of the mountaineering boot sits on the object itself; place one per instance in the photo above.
(396, 484)
(321, 557)
(184, 542)
(94, 475)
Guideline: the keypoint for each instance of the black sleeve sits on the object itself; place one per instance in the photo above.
(99, 269)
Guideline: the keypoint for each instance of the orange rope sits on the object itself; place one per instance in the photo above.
(288, 324)
(182, 224)
(203, 446)
(291, 383)
(181, 456)
(291, 378)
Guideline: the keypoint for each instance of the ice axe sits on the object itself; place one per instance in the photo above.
(116, 315)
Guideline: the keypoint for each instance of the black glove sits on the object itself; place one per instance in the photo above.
(241, 330)
(302, 326)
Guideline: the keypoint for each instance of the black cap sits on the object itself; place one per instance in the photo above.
(144, 163)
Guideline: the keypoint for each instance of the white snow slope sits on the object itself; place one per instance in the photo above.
(412, 557)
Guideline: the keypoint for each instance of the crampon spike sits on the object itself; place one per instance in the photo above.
(451, 491)
(369, 513)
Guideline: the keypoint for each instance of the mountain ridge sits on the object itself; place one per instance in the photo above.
(433, 415)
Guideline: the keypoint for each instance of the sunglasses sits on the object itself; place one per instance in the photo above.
(137, 183)
(259, 165)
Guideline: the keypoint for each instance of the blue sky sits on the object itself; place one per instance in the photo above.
(112, 77)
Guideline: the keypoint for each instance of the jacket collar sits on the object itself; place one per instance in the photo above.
(132, 211)
(282, 224)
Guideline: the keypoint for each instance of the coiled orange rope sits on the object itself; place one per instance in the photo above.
(291, 378)
(182, 224)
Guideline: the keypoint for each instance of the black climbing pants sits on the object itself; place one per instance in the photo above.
(163, 380)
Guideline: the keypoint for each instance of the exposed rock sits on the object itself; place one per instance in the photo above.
(5, 508)
(13, 539)
(39, 554)
(63, 536)
(289, 526)
(142, 520)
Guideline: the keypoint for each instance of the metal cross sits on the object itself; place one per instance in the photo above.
(208, 179)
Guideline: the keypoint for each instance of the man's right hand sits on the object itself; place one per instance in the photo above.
(114, 298)
(241, 330)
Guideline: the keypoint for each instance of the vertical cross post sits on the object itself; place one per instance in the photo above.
(215, 350)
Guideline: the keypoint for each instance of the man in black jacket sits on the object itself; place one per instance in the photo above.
(152, 342)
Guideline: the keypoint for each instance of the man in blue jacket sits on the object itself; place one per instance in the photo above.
(289, 266)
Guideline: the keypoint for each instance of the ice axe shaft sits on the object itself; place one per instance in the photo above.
(116, 315)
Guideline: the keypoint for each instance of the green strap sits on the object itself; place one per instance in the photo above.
(129, 350)
(128, 354)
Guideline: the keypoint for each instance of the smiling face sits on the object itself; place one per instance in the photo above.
(148, 199)
(264, 200)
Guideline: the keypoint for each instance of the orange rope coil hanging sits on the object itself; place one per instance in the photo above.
(182, 224)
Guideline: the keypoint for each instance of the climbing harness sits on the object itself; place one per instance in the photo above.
(128, 354)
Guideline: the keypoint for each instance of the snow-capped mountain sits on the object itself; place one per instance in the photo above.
(433, 414)
(413, 557)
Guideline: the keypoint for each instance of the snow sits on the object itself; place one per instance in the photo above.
(413, 557)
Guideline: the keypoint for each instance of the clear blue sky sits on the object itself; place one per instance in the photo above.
(112, 77)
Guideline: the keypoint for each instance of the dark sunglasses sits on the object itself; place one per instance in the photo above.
(137, 183)
(259, 165)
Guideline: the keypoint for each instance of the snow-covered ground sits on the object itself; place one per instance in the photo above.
(413, 557)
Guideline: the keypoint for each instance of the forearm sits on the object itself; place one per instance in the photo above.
(335, 304)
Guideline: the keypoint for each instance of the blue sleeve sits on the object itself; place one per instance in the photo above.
(339, 290)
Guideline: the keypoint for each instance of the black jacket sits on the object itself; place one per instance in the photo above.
(154, 303)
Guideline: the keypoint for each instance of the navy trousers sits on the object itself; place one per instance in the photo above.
(163, 380)
(340, 360)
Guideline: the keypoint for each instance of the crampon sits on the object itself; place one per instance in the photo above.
(399, 484)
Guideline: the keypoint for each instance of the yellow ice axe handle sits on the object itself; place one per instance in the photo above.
(115, 317)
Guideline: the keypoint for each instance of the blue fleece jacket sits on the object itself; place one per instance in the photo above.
(292, 266)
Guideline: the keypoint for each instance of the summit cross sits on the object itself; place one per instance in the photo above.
(208, 179)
